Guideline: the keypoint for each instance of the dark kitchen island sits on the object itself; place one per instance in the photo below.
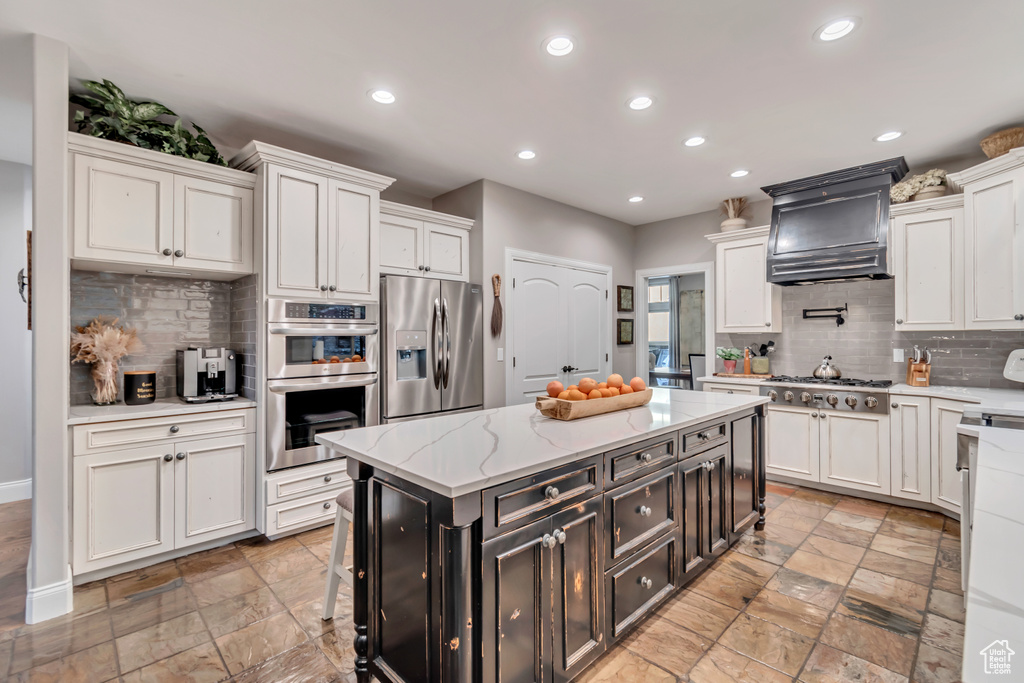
(504, 545)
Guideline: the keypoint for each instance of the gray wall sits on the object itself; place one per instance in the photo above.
(169, 314)
(15, 339)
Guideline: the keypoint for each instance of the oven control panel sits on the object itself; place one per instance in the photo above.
(306, 311)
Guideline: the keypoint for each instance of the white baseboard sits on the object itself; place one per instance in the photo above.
(48, 602)
(11, 491)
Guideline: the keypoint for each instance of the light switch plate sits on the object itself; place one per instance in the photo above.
(501, 354)
(897, 355)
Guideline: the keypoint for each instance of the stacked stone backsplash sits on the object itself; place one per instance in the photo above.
(863, 347)
(244, 331)
(169, 314)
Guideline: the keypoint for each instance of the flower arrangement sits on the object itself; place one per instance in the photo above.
(904, 190)
(103, 344)
(734, 207)
(728, 354)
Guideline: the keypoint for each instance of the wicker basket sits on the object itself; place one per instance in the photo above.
(998, 144)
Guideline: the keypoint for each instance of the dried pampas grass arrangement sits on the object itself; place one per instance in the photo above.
(734, 207)
(103, 344)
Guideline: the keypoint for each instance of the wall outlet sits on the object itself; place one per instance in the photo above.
(501, 354)
(897, 355)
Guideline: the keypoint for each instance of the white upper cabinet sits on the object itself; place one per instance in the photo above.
(928, 264)
(425, 243)
(320, 224)
(744, 300)
(138, 211)
(994, 243)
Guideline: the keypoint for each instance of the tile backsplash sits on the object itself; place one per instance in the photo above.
(244, 332)
(863, 347)
(169, 314)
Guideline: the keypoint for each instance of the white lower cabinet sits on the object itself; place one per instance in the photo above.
(304, 497)
(792, 443)
(946, 487)
(215, 489)
(910, 447)
(854, 451)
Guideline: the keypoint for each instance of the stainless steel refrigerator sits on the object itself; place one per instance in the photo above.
(432, 347)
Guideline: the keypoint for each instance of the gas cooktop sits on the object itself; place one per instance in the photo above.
(839, 382)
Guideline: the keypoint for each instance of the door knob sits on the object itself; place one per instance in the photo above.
(568, 368)
(179, 253)
(166, 252)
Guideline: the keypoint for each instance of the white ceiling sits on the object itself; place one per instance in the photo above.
(474, 86)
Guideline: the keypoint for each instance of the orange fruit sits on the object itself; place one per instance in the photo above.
(596, 393)
(615, 381)
(357, 358)
(572, 387)
(563, 395)
(576, 395)
(605, 392)
(637, 384)
(602, 385)
(587, 385)
(613, 391)
(346, 360)
(625, 389)
(555, 388)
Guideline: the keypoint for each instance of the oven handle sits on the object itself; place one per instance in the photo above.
(327, 331)
(437, 333)
(335, 382)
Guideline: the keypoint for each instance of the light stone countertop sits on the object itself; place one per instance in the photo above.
(458, 454)
(995, 591)
(1002, 401)
(729, 380)
(164, 407)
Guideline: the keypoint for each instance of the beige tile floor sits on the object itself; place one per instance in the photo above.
(834, 589)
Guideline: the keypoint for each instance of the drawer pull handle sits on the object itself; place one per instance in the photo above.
(174, 429)
(180, 456)
(548, 541)
(646, 457)
(327, 506)
(560, 536)
(551, 493)
(327, 479)
(168, 457)
(646, 583)
(645, 511)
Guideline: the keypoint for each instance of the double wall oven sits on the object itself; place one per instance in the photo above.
(321, 376)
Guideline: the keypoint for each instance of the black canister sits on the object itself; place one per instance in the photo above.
(139, 387)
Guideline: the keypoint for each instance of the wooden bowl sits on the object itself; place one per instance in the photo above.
(998, 144)
(560, 409)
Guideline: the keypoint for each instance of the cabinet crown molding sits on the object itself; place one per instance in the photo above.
(258, 153)
(1007, 162)
(761, 231)
(147, 158)
(954, 201)
(416, 213)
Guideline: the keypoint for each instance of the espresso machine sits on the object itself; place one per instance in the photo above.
(207, 374)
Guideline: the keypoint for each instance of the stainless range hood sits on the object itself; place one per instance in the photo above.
(833, 226)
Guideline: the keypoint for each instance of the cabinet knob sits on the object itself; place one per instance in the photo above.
(327, 505)
(426, 268)
(822, 415)
(767, 324)
(646, 457)
(899, 321)
(730, 391)
(560, 536)
(166, 252)
(179, 253)
(548, 541)
(333, 288)
(168, 457)
(645, 511)
(323, 288)
(895, 404)
(174, 429)
(327, 478)
(1019, 316)
(646, 583)
(421, 267)
(551, 493)
(814, 415)
(180, 456)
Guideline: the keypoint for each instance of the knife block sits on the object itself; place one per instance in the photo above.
(918, 374)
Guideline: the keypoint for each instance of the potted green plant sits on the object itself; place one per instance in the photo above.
(107, 113)
(729, 357)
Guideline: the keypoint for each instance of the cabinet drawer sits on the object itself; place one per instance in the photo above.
(519, 502)
(637, 587)
(301, 514)
(329, 476)
(640, 512)
(732, 388)
(707, 435)
(113, 436)
(630, 462)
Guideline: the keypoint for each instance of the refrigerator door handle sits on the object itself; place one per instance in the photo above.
(436, 333)
(446, 326)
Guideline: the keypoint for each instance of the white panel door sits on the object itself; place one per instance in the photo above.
(855, 451)
(354, 220)
(401, 245)
(743, 297)
(122, 212)
(946, 487)
(587, 330)
(446, 251)
(994, 251)
(212, 226)
(215, 488)
(540, 334)
(929, 267)
(123, 506)
(792, 442)
(297, 241)
(910, 447)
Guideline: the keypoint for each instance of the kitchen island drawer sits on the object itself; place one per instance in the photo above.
(510, 506)
(640, 512)
(625, 464)
(636, 588)
(306, 481)
(112, 436)
(706, 435)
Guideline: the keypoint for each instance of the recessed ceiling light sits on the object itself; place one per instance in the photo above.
(641, 102)
(382, 96)
(695, 141)
(526, 154)
(891, 135)
(739, 174)
(635, 199)
(834, 30)
(558, 46)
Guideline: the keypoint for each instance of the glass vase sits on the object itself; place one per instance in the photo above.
(104, 378)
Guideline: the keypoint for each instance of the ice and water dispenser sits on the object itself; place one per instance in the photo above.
(411, 351)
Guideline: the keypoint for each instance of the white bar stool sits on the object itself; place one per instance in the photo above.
(336, 569)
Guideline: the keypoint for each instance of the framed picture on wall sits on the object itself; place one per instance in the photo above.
(624, 298)
(625, 331)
